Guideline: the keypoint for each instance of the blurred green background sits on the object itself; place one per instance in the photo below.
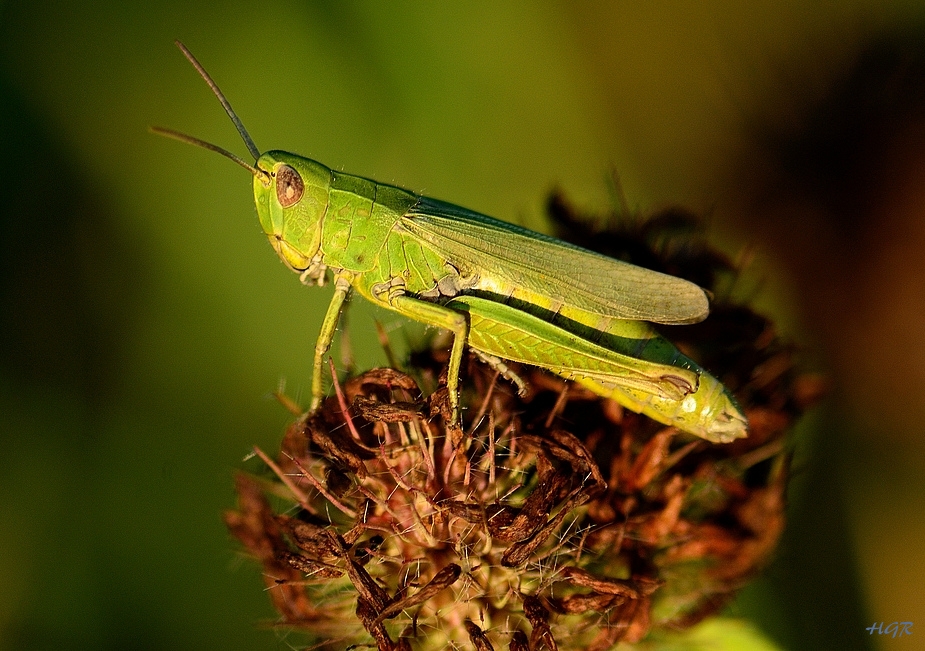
(145, 320)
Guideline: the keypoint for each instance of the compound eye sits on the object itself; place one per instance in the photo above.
(289, 186)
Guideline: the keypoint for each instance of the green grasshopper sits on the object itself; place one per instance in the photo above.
(506, 292)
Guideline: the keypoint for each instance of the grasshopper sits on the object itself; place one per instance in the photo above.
(506, 292)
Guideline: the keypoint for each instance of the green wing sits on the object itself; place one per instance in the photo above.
(516, 257)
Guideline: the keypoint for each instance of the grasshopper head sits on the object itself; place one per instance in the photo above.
(291, 198)
(291, 192)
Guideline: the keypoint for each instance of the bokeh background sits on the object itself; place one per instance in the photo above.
(145, 321)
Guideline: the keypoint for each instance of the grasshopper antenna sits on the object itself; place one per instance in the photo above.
(190, 140)
(245, 136)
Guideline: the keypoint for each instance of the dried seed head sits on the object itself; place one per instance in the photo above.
(556, 521)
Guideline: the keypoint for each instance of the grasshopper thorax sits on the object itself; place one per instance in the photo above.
(291, 199)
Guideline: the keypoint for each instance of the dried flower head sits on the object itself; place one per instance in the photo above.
(554, 521)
